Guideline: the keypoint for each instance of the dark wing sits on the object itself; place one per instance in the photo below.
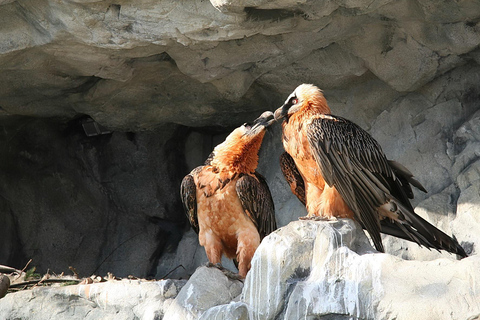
(352, 161)
(293, 177)
(257, 202)
(188, 192)
(406, 178)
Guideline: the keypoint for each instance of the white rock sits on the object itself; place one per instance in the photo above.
(305, 270)
(207, 288)
(126, 299)
(328, 270)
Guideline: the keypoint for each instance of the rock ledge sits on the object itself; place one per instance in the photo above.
(305, 270)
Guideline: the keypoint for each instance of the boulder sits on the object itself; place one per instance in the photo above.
(126, 299)
(4, 285)
(208, 287)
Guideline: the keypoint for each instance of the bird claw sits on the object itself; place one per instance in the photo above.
(317, 218)
(305, 218)
(229, 274)
(214, 265)
(232, 275)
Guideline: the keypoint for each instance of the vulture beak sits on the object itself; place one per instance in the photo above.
(281, 112)
(260, 124)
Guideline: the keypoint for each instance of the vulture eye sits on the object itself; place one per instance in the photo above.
(294, 100)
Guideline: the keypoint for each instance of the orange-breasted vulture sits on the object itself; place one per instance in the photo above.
(338, 170)
(227, 202)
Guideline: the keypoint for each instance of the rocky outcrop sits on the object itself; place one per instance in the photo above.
(195, 61)
(337, 275)
(126, 299)
(168, 78)
(318, 270)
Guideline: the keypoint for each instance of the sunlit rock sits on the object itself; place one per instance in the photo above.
(406, 71)
(126, 299)
(328, 270)
(290, 256)
(207, 288)
(305, 270)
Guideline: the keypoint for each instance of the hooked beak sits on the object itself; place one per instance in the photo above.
(265, 119)
(281, 112)
(260, 124)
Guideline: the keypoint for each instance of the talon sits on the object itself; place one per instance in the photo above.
(307, 218)
(331, 219)
(317, 218)
(321, 219)
(229, 274)
(232, 275)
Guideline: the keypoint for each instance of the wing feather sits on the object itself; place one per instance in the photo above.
(188, 193)
(350, 163)
(293, 176)
(257, 202)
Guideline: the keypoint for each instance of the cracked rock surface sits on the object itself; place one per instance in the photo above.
(307, 269)
(169, 79)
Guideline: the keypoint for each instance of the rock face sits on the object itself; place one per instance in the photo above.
(192, 62)
(305, 270)
(98, 204)
(170, 78)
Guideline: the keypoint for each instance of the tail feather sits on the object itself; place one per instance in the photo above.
(412, 227)
(414, 236)
(400, 170)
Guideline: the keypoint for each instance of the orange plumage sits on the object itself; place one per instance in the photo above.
(321, 199)
(227, 202)
(339, 171)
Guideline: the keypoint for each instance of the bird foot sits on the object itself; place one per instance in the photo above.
(317, 218)
(229, 274)
(213, 265)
